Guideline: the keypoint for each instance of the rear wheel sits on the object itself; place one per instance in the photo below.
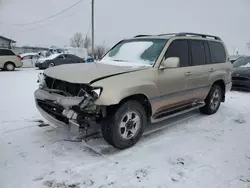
(126, 126)
(213, 100)
(9, 66)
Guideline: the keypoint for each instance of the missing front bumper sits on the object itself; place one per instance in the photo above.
(61, 110)
(69, 126)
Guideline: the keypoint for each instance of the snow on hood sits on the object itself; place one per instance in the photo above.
(124, 64)
(87, 72)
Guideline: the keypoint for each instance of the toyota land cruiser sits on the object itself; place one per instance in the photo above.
(140, 80)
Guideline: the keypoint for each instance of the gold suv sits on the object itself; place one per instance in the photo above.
(140, 80)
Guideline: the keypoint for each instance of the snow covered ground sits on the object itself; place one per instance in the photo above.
(194, 151)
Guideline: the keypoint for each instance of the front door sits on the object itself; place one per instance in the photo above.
(173, 83)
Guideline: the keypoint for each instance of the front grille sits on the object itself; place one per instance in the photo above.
(67, 87)
(239, 78)
(53, 109)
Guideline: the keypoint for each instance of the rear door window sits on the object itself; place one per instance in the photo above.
(179, 48)
(6, 52)
(217, 51)
(70, 56)
(198, 53)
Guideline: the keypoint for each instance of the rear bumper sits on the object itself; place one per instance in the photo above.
(19, 64)
(241, 85)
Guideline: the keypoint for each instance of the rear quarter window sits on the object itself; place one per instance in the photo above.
(217, 52)
(6, 52)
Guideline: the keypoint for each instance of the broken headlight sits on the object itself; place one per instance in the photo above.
(97, 92)
(89, 98)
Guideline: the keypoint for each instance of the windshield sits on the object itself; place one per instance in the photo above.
(242, 62)
(137, 51)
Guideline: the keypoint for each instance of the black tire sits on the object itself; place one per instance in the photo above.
(111, 130)
(210, 108)
(51, 65)
(105, 131)
(9, 66)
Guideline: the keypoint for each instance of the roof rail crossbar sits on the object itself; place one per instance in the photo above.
(198, 34)
(141, 36)
(166, 34)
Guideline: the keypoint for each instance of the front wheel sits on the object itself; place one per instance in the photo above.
(51, 65)
(213, 100)
(126, 126)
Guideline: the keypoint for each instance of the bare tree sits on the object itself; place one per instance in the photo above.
(87, 42)
(100, 50)
(248, 46)
(77, 40)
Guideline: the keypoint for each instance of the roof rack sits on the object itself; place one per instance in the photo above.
(167, 34)
(141, 36)
(182, 34)
(198, 34)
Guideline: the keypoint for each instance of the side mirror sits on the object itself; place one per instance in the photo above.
(171, 62)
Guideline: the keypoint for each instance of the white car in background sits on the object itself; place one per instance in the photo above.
(9, 60)
(29, 59)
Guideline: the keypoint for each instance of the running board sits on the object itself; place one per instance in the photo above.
(170, 115)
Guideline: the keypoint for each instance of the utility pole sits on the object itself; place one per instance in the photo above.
(93, 27)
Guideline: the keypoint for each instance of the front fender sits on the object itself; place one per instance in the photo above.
(111, 96)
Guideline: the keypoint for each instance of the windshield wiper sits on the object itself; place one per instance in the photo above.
(119, 60)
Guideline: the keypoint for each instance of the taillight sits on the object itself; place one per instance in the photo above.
(18, 56)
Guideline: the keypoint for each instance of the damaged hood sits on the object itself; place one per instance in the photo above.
(88, 72)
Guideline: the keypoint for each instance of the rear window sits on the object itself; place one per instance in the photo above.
(6, 52)
(217, 51)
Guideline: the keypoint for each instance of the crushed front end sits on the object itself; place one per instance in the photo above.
(68, 104)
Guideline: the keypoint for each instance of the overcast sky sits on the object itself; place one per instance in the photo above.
(117, 19)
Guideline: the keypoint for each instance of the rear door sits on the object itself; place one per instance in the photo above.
(199, 74)
(72, 58)
(61, 60)
(220, 66)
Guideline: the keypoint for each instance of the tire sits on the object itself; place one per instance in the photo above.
(213, 100)
(51, 65)
(9, 66)
(105, 129)
(125, 128)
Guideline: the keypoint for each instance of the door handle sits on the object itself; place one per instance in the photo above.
(187, 73)
(211, 70)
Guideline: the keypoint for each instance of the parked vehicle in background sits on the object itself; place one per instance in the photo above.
(241, 74)
(233, 58)
(43, 54)
(58, 59)
(140, 80)
(80, 52)
(29, 59)
(9, 60)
